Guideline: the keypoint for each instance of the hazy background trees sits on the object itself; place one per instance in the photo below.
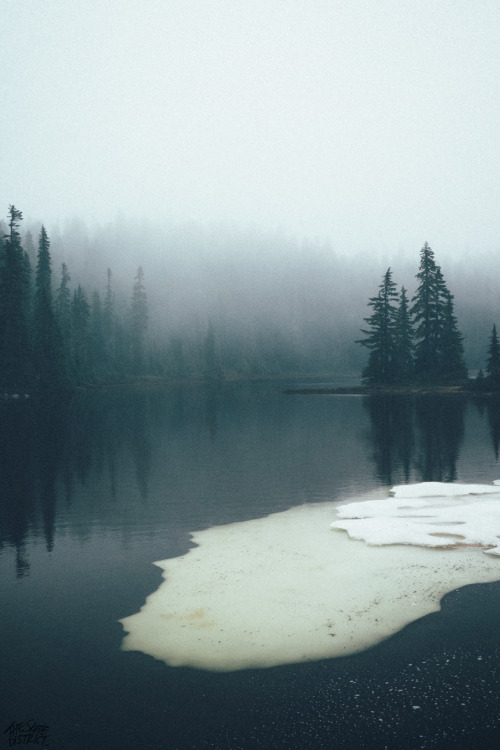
(234, 302)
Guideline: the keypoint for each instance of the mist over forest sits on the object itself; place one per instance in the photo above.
(275, 307)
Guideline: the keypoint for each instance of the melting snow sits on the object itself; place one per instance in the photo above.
(285, 589)
(430, 514)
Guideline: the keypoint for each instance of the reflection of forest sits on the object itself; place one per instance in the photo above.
(493, 407)
(416, 438)
(96, 457)
(47, 445)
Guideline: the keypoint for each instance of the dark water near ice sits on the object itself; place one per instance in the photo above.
(93, 490)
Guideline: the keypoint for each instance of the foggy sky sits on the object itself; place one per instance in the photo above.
(372, 125)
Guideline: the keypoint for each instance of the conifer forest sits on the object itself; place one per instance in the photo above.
(58, 332)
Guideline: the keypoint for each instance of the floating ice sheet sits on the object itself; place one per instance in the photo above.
(430, 514)
(285, 589)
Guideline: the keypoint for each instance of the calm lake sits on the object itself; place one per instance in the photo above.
(96, 488)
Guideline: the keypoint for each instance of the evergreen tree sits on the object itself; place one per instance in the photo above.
(98, 346)
(15, 355)
(176, 360)
(439, 347)
(424, 312)
(212, 365)
(29, 246)
(404, 366)
(30, 257)
(63, 318)
(139, 322)
(493, 362)
(80, 317)
(47, 343)
(451, 364)
(108, 323)
(381, 334)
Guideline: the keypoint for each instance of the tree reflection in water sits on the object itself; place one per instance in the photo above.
(415, 438)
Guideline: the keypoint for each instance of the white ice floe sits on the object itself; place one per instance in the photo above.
(444, 489)
(429, 514)
(285, 589)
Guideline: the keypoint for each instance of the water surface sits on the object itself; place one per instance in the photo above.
(93, 490)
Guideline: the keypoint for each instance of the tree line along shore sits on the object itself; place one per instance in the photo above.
(416, 343)
(53, 336)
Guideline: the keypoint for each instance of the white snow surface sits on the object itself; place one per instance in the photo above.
(285, 589)
(428, 514)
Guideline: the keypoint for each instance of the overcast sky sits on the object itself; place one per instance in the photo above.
(374, 124)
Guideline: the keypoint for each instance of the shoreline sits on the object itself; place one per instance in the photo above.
(410, 390)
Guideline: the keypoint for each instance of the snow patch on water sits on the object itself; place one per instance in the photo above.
(429, 514)
(285, 589)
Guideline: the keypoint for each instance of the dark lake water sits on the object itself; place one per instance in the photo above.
(96, 488)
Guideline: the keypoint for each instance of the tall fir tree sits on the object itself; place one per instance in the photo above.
(15, 281)
(404, 364)
(439, 354)
(493, 362)
(211, 365)
(139, 323)
(424, 316)
(80, 320)
(98, 345)
(30, 258)
(47, 342)
(63, 317)
(381, 334)
(451, 363)
(108, 323)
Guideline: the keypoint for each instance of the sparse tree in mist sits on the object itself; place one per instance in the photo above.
(80, 320)
(47, 341)
(30, 257)
(139, 322)
(98, 344)
(493, 361)
(176, 359)
(29, 246)
(381, 334)
(63, 317)
(212, 364)
(15, 281)
(108, 321)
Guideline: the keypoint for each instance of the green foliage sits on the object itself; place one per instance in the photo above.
(48, 363)
(80, 329)
(138, 323)
(50, 340)
(422, 343)
(212, 366)
(439, 349)
(403, 358)
(451, 365)
(63, 318)
(381, 334)
(15, 350)
(425, 312)
(493, 362)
